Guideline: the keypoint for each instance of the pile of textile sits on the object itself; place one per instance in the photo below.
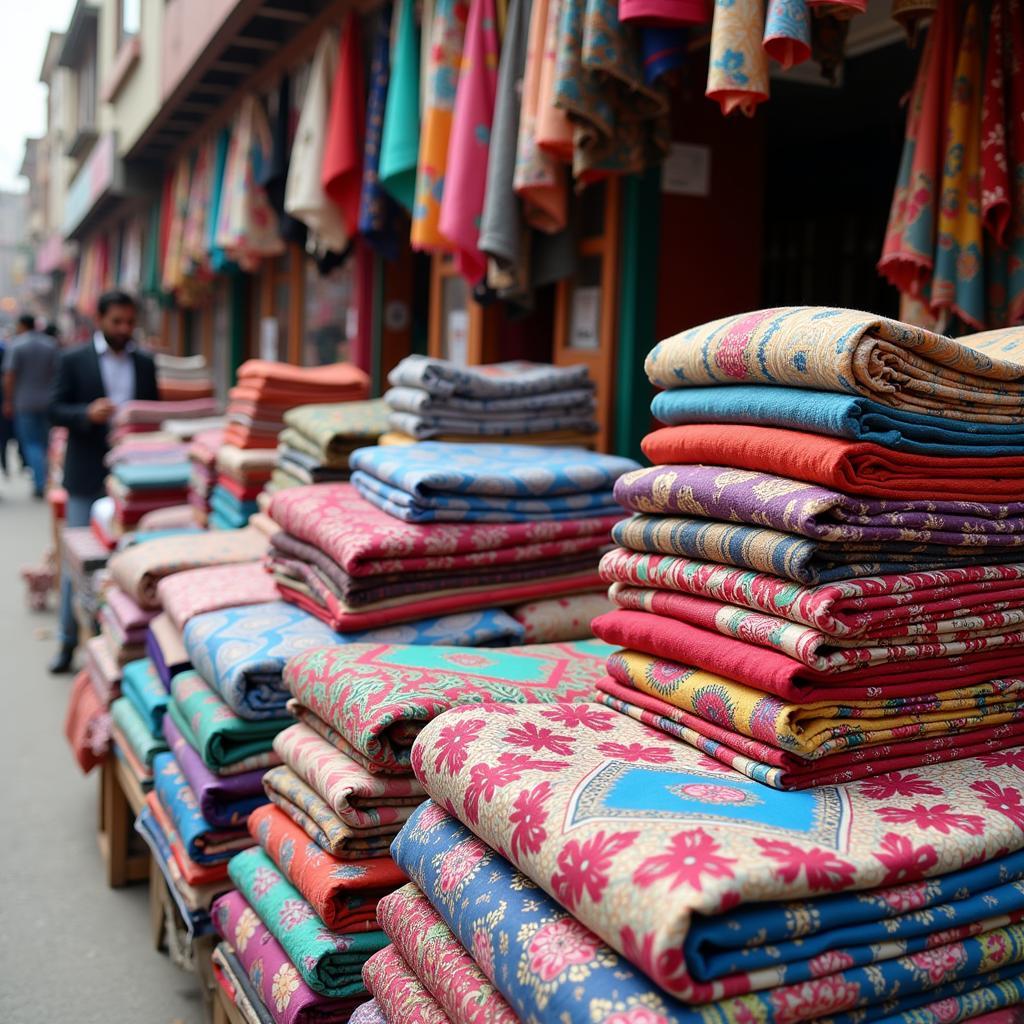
(202, 456)
(266, 390)
(123, 625)
(137, 717)
(532, 402)
(180, 378)
(84, 558)
(143, 417)
(806, 606)
(241, 477)
(140, 487)
(317, 440)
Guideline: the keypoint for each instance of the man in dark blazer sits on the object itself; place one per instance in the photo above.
(93, 381)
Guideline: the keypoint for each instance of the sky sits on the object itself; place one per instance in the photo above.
(26, 26)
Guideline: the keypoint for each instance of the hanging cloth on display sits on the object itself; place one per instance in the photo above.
(195, 240)
(469, 148)
(787, 32)
(667, 13)
(174, 255)
(911, 13)
(400, 136)
(448, 33)
(738, 69)
(995, 175)
(378, 214)
(662, 51)
(305, 198)
(554, 129)
(275, 175)
(1014, 81)
(842, 9)
(218, 259)
(342, 171)
(246, 224)
(540, 181)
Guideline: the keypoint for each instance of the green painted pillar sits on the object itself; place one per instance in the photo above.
(638, 295)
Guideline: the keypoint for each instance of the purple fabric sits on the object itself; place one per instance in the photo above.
(761, 499)
(132, 618)
(225, 800)
(279, 984)
(156, 655)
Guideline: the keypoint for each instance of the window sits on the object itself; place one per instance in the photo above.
(129, 20)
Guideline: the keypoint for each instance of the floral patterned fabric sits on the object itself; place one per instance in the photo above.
(561, 619)
(194, 874)
(334, 429)
(738, 71)
(787, 32)
(344, 894)
(226, 743)
(329, 962)
(398, 992)
(978, 377)
(187, 594)
(378, 698)
(277, 980)
(235, 984)
(442, 966)
(564, 789)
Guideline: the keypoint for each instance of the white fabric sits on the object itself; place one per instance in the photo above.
(116, 369)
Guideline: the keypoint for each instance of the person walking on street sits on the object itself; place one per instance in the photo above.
(93, 381)
(30, 366)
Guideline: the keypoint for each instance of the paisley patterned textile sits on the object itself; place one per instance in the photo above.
(738, 70)
(549, 966)
(636, 836)
(379, 697)
(278, 981)
(867, 470)
(344, 894)
(398, 992)
(225, 801)
(979, 377)
(561, 619)
(226, 743)
(334, 429)
(762, 499)
(204, 843)
(511, 380)
(138, 570)
(442, 966)
(835, 415)
(787, 32)
(329, 962)
(141, 685)
(911, 604)
(187, 594)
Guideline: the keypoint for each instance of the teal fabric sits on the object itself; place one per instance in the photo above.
(400, 140)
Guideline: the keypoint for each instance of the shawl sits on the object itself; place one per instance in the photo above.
(422, 403)
(979, 377)
(230, 975)
(197, 591)
(400, 134)
(194, 874)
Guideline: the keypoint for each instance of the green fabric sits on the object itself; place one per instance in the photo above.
(400, 138)
(329, 963)
(333, 430)
(145, 746)
(210, 727)
(297, 441)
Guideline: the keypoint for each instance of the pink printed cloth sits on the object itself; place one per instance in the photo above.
(403, 999)
(561, 619)
(211, 588)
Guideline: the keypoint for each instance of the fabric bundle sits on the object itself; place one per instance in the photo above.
(266, 390)
(212, 588)
(139, 484)
(123, 624)
(166, 649)
(182, 378)
(134, 740)
(357, 567)
(139, 416)
(202, 455)
(433, 398)
(241, 477)
(83, 558)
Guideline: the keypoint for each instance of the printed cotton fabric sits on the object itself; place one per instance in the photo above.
(398, 992)
(635, 836)
(561, 619)
(378, 697)
(979, 377)
(142, 686)
(335, 428)
(494, 380)
(187, 594)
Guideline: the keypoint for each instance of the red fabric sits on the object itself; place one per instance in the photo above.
(243, 437)
(669, 13)
(102, 536)
(342, 170)
(337, 382)
(315, 873)
(853, 467)
(87, 724)
(193, 873)
(785, 677)
(242, 492)
(995, 174)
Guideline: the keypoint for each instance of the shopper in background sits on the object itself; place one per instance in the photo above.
(30, 366)
(93, 380)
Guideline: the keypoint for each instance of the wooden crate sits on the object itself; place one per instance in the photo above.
(121, 799)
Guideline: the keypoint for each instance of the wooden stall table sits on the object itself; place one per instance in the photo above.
(121, 799)
(224, 1010)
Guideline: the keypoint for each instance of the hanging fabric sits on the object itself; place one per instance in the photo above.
(912, 13)
(342, 171)
(305, 198)
(448, 33)
(174, 274)
(274, 179)
(662, 51)
(787, 32)
(378, 214)
(995, 176)
(1014, 83)
(554, 129)
(738, 69)
(195, 238)
(400, 136)
(666, 13)
(842, 9)
(218, 258)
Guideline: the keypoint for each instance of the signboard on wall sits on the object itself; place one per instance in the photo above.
(687, 170)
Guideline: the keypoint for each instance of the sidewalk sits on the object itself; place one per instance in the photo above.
(67, 942)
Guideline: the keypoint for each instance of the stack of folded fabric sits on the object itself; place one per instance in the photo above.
(144, 486)
(180, 378)
(639, 880)
(142, 417)
(317, 440)
(808, 607)
(187, 430)
(137, 720)
(241, 476)
(202, 455)
(84, 557)
(266, 390)
(357, 567)
(532, 402)
(158, 446)
(87, 722)
(123, 625)
(166, 649)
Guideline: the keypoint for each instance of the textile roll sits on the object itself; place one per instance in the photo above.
(187, 594)
(403, 687)
(856, 468)
(398, 992)
(329, 963)
(417, 401)
(979, 377)
(787, 32)
(227, 744)
(556, 824)
(343, 893)
(738, 70)
(278, 981)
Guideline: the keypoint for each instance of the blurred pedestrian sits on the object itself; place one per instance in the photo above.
(30, 368)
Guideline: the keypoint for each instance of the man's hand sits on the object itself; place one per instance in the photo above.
(100, 411)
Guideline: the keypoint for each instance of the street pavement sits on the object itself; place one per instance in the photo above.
(70, 948)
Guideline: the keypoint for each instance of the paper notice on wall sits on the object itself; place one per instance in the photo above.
(586, 318)
(686, 170)
(458, 336)
(269, 339)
